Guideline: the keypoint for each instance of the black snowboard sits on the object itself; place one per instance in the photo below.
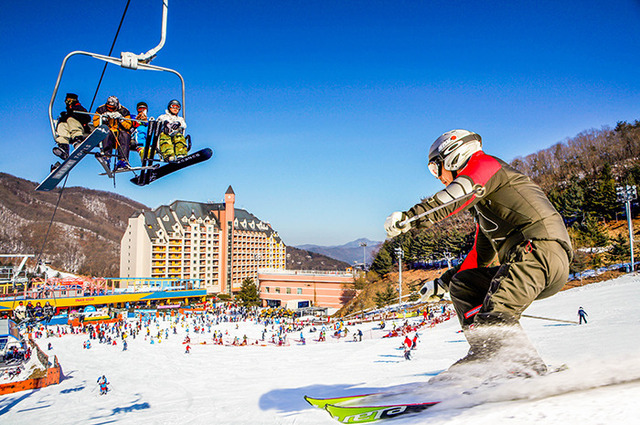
(149, 176)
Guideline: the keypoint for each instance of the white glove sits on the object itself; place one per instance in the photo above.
(392, 225)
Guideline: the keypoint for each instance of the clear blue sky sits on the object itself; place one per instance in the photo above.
(320, 113)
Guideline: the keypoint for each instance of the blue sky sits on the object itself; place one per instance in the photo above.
(320, 113)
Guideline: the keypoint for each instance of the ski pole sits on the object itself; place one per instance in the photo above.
(550, 319)
(119, 118)
(478, 190)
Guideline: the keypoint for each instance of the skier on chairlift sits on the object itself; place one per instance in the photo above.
(172, 143)
(140, 128)
(72, 126)
(117, 117)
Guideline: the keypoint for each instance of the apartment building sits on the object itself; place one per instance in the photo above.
(215, 242)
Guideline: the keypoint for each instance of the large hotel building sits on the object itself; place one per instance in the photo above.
(214, 242)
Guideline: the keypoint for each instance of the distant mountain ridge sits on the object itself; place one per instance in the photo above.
(351, 252)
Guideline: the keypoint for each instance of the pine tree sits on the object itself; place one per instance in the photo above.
(249, 295)
(620, 250)
(383, 263)
(603, 200)
(385, 297)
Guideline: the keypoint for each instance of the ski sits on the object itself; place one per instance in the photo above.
(52, 180)
(105, 165)
(127, 170)
(365, 414)
(322, 402)
(156, 173)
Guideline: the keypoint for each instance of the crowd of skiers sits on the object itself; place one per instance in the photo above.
(126, 131)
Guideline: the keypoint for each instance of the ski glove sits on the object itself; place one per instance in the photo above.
(392, 224)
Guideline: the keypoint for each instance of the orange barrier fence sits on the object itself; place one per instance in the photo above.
(52, 376)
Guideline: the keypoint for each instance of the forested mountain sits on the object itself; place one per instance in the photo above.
(87, 228)
(580, 176)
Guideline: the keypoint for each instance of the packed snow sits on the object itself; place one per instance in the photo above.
(161, 384)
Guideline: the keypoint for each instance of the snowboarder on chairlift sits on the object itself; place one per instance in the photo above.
(117, 118)
(516, 224)
(72, 126)
(140, 128)
(172, 143)
(47, 310)
(20, 312)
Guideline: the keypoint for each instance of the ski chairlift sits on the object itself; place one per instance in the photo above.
(127, 60)
(149, 170)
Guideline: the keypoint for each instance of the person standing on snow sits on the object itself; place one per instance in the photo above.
(407, 347)
(582, 315)
(117, 118)
(172, 143)
(103, 384)
(71, 127)
(515, 223)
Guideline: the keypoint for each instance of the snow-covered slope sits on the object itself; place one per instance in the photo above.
(160, 384)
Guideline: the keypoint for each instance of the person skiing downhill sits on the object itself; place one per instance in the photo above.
(582, 315)
(515, 223)
(407, 344)
(172, 143)
(117, 117)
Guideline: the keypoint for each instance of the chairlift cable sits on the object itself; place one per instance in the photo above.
(46, 236)
(110, 51)
(44, 242)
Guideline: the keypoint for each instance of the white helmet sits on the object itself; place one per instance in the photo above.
(452, 150)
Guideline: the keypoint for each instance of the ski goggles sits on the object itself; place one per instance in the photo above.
(435, 167)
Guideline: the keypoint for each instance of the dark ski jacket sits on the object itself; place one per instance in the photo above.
(69, 112)
(511, 210)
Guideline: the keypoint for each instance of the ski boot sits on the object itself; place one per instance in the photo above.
(77, 140)
(121, 165)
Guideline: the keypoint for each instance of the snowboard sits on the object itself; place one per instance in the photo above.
(52, 180)
(154, 174)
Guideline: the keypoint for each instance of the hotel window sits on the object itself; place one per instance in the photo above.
(288, 290)
(299, 291)
(277, 290)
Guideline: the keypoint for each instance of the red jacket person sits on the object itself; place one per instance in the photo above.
(517, 228)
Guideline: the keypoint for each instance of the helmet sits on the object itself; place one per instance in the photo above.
(174, 102)
(141, 105)
(112, 103)
(452, 150)
(70, 98)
